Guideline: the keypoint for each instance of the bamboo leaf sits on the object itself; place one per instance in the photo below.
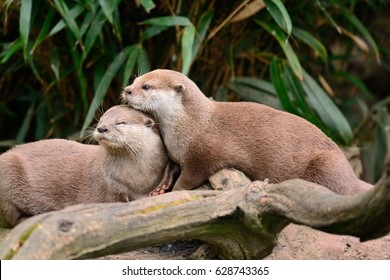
(143, 61)
(87, 21)
(55, 64)
(130, 63)
(22, 133)
(311, 41)
(10, 50)
(93, 33)
(24, 25)
(169, 21)
(327, 110)
(45, 30)
(255, 90)
(103, 87)
(153, 31)
(277, 79)
(281, 38)
(295, 86)
(69, 19)
(187, 43)
(108, 8)
(148, 5)
(353, 79)
(261, 85)
(77, 66)
(279, 14)
(252, 8)
(363, 30)
(74, 12)
(203, 26)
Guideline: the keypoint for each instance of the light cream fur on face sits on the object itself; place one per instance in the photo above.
(52, 174)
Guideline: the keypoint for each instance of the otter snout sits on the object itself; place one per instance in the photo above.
(128, 90)
(102, 129)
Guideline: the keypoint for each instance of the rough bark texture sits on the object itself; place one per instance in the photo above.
(241, 223)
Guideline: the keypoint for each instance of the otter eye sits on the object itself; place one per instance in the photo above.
(146, 87)
(119, 123)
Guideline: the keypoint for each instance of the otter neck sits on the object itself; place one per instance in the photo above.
(134, 173)
(188, 116)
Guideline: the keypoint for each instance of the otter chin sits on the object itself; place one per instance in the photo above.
(204, 136)
(129, 163)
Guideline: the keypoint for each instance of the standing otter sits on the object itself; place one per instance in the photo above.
(204, 136)
(49, 175)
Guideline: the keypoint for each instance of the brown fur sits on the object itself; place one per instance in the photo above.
(204, 136)
(51, 174)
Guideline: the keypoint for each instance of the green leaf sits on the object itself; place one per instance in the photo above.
(153, 31)
(363, 30)
(55, 63)
(221, 94)
(130, 63)
(279, 14)
(277, 79)
(107, 8)
(298, 93)
(74, 12)
(103, 87)
(255, 90)
(327, 110)
(24, 25)
(45, 29)
(169, 21)
(353, 79)
(77, 63)
(143, 61)
(202, 28)
(311, 41)
(187, 43)
(87, 21)
(148, 5)
(22, 133)
(69, 19)
(4, 109)
(281, 38)
(258, 84)
(93, 32)
(10, 50)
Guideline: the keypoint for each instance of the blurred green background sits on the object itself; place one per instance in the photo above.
(64, 62)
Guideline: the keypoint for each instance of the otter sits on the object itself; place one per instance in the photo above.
(129, 163)
(204, 136)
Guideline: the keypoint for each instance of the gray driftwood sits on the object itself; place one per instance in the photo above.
(240, 223)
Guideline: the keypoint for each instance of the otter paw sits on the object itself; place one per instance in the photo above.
(159, 190)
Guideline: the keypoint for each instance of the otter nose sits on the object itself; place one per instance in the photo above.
(128, 90)
(102, 129)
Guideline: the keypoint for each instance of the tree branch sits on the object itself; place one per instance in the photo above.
(242, 223)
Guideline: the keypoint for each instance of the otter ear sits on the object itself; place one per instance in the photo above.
(150, 123)
(179, 88)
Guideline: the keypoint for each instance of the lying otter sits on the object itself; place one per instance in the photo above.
(129, 162)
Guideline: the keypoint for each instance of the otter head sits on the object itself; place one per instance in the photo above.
(159, 92)
(123, 128)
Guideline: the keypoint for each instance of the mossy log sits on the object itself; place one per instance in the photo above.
(240, 223)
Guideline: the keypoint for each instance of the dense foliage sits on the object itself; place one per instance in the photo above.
(61, 61)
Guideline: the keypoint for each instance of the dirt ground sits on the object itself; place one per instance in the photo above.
(295, 243)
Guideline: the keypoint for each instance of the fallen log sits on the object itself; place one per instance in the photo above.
(241, 223)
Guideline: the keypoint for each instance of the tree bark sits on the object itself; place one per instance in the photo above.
(241, 223)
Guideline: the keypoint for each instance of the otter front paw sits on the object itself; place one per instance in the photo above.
(160, 190)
